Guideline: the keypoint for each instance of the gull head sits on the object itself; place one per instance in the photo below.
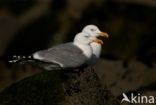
(82, 38)
(93, 30)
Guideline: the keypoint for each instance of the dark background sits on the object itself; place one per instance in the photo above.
(128, 60)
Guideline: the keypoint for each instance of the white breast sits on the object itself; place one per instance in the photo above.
(96, 49)
(96, 53)
(87, 50)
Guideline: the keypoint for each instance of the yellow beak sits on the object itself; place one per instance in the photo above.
(103, 34)
(99, 41)
(96, 40)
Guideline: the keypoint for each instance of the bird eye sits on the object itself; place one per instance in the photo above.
(93, 29)
(86, 36)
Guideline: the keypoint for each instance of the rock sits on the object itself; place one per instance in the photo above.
(58, 88)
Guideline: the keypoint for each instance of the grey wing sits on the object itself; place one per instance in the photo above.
(66, 55)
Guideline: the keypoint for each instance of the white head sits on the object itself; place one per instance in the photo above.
(83, 41)
(87, 39)
(93, 30)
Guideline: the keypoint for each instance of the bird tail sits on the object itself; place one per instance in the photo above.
(38, 63)
(20, 59)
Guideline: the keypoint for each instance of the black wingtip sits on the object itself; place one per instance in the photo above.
(16, 59)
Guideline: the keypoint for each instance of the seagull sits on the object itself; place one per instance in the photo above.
(94, 31)
(69, 55)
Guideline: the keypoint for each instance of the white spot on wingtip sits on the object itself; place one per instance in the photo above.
(29, 57)
(12, 61)
(23, 57)
(14, 56)
(18, 57)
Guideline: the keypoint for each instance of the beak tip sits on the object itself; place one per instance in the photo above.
(104, 34)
